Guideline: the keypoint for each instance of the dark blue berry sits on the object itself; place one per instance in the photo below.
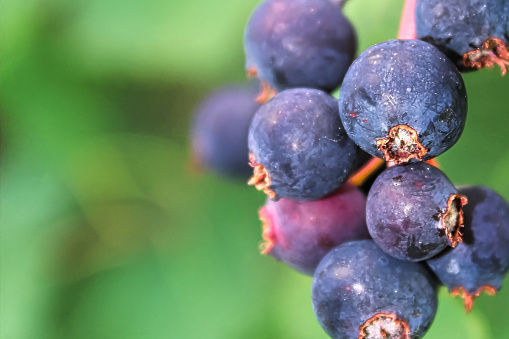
(498, 17)
(482, 259)
(403, 100)
(298, 147)
(299, 43)
(358, 291)
(473, 33)
(220, 128)
(300, 233)
(413, 212)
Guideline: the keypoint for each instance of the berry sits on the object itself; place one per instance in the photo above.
(403, 100)
(298, 147)
(299, 43)
(480, 262)
(413, 212)
(300, 233)
(473, 33)
(358, 291)
(220, 127)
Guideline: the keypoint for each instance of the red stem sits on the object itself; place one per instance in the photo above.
(407, 29)
(362, 174)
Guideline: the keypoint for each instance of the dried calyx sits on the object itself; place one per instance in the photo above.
(383, 326)
(469, 298)
(268, 232)
(401, 145)
(452, 219)
(493, 52)
(260, 179)
(267, 92)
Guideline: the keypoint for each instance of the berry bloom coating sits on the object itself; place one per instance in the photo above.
(413, 212)
(298, 147)
(220, 127)
(358, 291)
(473, 33)
(480, 262)
(299, 43)
(403, 100)
(300, 233)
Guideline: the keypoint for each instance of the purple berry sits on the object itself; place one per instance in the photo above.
(300, 233)
(298, 147)
(473, 33)
(413, 212)
(358, 291)
(403, 100)
(299, 43)
(481, 261)
(220, 128)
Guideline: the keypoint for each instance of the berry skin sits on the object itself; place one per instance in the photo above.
(220, 127)
(403, 100)
(300, 233)
(413, 212)
(358, 291)
(473, 33)
(480, 262)
(299, 43)
(298, 147)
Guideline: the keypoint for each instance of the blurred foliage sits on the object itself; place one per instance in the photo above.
(106, 233)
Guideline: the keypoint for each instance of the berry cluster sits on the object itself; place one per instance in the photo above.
(377, 259)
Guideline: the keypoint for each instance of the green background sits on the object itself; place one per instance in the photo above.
(106, 233)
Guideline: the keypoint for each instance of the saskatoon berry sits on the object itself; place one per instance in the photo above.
(298, 147)
(220, 127)
(358, 291)
(480, 262)
(413, 212)
(473, 33)
(299, 43)
(403, 100)
(300, 233)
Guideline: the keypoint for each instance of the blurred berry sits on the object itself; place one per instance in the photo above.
(220, 127)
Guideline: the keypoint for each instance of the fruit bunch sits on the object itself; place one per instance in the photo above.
(376, 260)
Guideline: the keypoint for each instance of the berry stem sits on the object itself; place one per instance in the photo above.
(433, 162)
(369, 168)
(407, 30)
